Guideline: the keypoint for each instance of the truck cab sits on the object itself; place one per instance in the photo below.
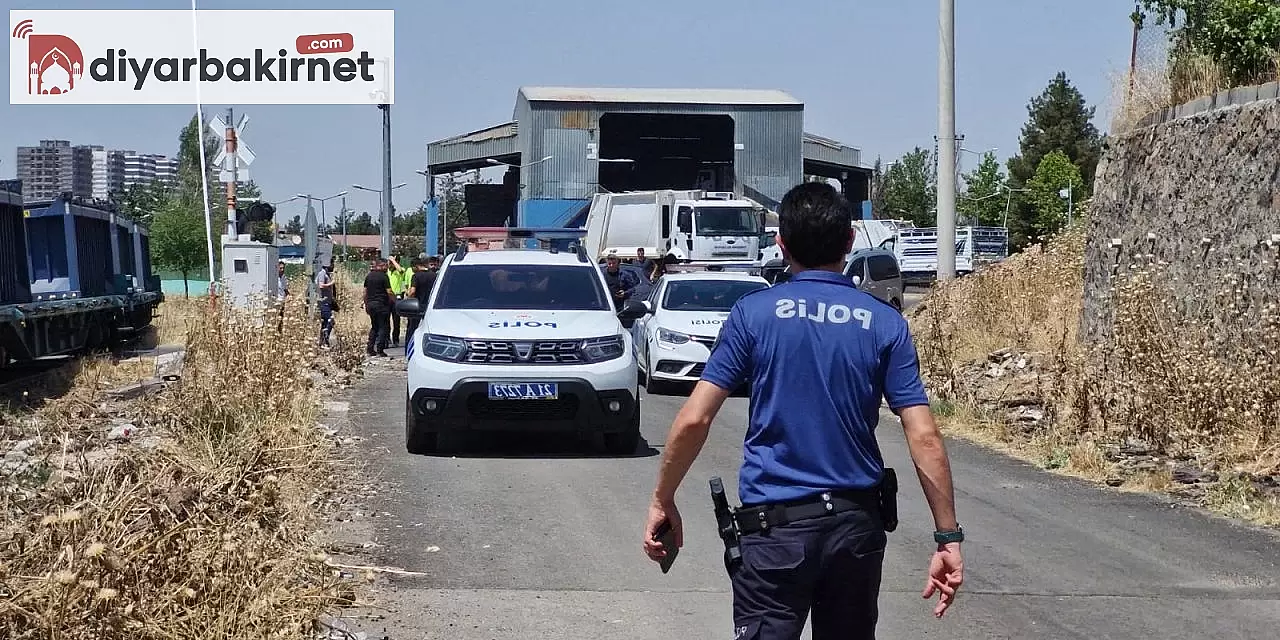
(717, 227)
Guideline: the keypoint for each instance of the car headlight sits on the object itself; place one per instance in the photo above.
(444, 348)
(602, 349)
(671, 337)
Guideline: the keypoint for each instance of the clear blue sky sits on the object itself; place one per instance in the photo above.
(865, 69)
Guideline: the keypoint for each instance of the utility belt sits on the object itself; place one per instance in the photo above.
(734, 523)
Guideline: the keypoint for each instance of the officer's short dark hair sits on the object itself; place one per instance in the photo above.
(815, 222)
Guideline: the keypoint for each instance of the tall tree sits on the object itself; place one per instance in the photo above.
(1058, 120)
(178, 239)
(1240, 36)
(983, 201)
(910, 189)
(138, 201)
(1055, 175)
(877, 190)
(294, 226)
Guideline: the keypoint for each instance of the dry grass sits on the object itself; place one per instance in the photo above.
(1153, 87)
(203, 527)
(175, 317)
(1199, 383)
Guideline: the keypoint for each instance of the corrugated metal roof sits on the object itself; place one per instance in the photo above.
(498, 140)
(504, 130)
(820, 149)
(669, 96)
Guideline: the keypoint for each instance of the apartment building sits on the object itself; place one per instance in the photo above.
(55, 167)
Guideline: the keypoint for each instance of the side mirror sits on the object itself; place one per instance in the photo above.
(857, 281)
(409, 308)
(633, 309)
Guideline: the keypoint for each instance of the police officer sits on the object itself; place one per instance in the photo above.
(819, 355)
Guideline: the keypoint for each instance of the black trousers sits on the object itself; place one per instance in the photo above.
(395, 324)
(830, 566)
(379, 328)
(326, 321)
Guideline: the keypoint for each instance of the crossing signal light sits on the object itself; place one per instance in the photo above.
(257, 212)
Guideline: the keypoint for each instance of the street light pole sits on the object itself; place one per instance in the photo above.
(946, 141)
(386, 180)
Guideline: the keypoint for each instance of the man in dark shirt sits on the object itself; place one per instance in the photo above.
(424, 279)
(378, 300)
(621, 282)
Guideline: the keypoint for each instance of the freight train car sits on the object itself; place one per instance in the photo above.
(76, 277)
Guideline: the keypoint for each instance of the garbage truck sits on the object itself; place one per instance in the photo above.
(679, 226)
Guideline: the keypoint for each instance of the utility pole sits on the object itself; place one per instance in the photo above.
(946, 141)
(386, 180)
(311, 235)
(344, 216)
(235, 164)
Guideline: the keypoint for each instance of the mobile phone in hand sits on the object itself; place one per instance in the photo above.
(667, 537)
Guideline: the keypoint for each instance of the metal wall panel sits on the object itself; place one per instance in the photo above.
(124, 240)
(147, 270)
(15, 281)
(47, 247)
(768, 164)
(93, 256)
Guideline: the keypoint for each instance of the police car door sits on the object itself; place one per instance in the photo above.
(648, 324)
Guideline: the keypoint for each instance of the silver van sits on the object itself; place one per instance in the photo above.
(876, 271)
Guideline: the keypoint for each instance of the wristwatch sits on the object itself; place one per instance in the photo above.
(949, 536)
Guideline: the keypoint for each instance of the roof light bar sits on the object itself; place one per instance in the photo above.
(695, 267)
(498, 238)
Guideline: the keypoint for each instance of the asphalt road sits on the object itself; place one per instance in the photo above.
(540, 538)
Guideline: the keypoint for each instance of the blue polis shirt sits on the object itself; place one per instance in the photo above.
(819, 354)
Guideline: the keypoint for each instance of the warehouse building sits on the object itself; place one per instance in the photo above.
(566, 144)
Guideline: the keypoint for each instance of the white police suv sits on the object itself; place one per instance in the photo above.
(520, 340)
(684, 313)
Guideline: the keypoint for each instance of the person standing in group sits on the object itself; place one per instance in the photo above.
(282, 293)
(399, 277)
(424, 278)
(379, 300)
(817, 499)
(328, 302)
(282, 282)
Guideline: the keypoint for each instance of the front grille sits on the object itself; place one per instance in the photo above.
(706, 341)
(696, 371)
(480, 406)
(522, 352)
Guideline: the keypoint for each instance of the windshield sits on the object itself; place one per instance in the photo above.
(706, 295)
(727, 221)
(528, 287)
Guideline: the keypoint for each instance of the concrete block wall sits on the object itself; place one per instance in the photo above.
(1198, 187)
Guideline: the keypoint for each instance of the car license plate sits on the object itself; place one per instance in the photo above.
(523, 391)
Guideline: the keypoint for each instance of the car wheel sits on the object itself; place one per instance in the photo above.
(417, 441)
(625, 443)
(651, 386)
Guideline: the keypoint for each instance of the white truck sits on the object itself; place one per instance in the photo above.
(976, 247)
(695, 225)
(868, 234)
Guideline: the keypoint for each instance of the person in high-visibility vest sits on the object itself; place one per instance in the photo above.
(399, 276)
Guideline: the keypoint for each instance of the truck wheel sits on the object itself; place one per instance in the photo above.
(625, 443)
(417, 441)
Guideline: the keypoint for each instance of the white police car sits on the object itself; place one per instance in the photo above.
(520, 340)
(684, 313)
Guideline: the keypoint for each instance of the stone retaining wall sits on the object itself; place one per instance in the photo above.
(1196, 186)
